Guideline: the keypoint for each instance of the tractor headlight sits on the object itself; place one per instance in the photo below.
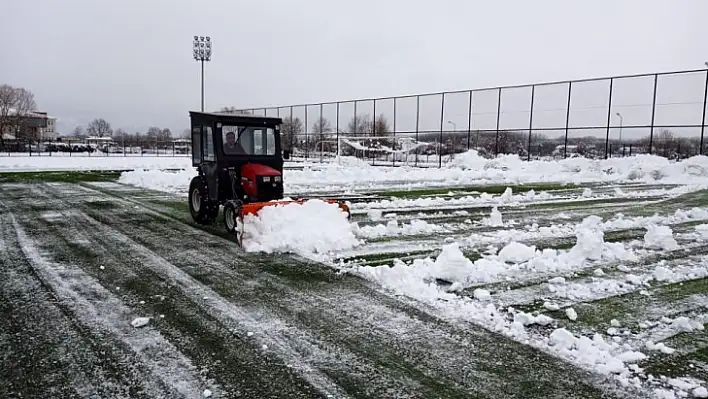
(276, 178)
(266, 179)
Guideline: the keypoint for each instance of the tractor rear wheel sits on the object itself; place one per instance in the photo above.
(203, 210)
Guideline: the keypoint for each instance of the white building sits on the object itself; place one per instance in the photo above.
(50, 132)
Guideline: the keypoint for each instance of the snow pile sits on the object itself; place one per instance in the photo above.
(494, 219)
(660, 237)
(512, 260)
(469, 169)
(159, 180)
(392, 228)
(314, 227)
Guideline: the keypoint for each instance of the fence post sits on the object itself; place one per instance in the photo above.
(496, 139)
(307, 137)
(703, 120)
(609, 117)
(442, 122)
(653, 113)
(533, 92)
(394, 131)
(292, 132)
(373, 131)
(417, 125)
(567, 120)
(469, 122)
(337, 128)
(356, 120)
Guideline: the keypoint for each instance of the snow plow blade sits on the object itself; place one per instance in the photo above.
(254, 207)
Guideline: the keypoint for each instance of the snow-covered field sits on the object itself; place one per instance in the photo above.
(544, 267)
(353, 175)
(601, 263)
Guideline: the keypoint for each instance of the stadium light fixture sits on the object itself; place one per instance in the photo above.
(201, 47)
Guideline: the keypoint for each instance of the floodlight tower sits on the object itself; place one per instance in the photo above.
(202, 52)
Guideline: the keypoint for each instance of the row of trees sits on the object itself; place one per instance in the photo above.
(15, 104)
(99, 127)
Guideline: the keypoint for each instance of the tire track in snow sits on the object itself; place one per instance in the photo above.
(93, 306)
(268, 330)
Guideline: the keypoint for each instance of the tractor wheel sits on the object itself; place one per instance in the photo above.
(203, 210)
(233, 220)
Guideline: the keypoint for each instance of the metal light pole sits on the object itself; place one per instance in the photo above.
(202, 52)
(454, 126)
(621, 121)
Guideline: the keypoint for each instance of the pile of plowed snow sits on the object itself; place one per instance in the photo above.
(309, 229)
(468, 168)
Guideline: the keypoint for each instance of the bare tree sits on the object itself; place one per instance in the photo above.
(8, 97)
(99, 128)
(360, 124)
(24, 105)
(79, 132)
(381, 127)
(321, 129)
(665, 141)
(16, 103)
(186, 134)
(165, 135)
(290, 129)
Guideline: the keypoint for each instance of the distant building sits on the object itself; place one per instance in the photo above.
(49, 132)
(35, 126)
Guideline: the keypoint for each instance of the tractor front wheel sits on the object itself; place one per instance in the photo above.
(203, 210)
(233, 220)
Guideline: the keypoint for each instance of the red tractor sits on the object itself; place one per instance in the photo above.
(239, 161)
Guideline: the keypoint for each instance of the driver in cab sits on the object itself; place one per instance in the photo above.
(231, 147)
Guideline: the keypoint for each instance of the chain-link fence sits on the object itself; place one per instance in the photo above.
(661, 113)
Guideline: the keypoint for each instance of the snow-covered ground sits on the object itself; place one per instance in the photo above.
(537, 266)
(490, 259)
(352, 175)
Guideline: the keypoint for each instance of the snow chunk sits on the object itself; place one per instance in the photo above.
(587, 192)
(551, 306)
(557, 280)
(599, 272)
(684, 324)
(660, 237)
(700, 392)
(451, 265)
(140, 322)
(562, 338)
(614, 323)
(572, 314)
(659, 347)
(495, 218)
(207, 393)
(482, 294)
(515, 252)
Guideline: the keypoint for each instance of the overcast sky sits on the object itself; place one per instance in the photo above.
(130, 61)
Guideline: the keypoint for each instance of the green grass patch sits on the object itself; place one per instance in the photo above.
(60, 177)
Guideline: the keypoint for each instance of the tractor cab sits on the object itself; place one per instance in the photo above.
(238, 157)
